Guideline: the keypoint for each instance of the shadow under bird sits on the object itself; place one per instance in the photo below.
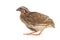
(35, 21)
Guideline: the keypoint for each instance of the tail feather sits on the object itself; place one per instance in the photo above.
(52, 24)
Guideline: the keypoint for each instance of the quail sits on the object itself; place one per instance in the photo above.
(35, 21)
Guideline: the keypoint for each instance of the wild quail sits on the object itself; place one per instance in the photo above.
(35, 21)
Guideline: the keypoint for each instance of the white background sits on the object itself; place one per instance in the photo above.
(11, 27)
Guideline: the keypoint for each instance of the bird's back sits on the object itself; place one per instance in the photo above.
(34, 18)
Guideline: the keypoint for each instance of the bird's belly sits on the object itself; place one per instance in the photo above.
(39, 28)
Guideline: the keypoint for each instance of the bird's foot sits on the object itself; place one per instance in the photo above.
(36, 34)
(32, 34)
(29, 33)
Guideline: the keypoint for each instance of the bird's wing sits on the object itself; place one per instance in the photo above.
(35, 18)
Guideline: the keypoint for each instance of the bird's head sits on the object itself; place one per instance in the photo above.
(23, 10)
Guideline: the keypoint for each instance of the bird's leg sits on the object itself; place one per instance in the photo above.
(32, 33)
(29, 33)
(37, 34)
